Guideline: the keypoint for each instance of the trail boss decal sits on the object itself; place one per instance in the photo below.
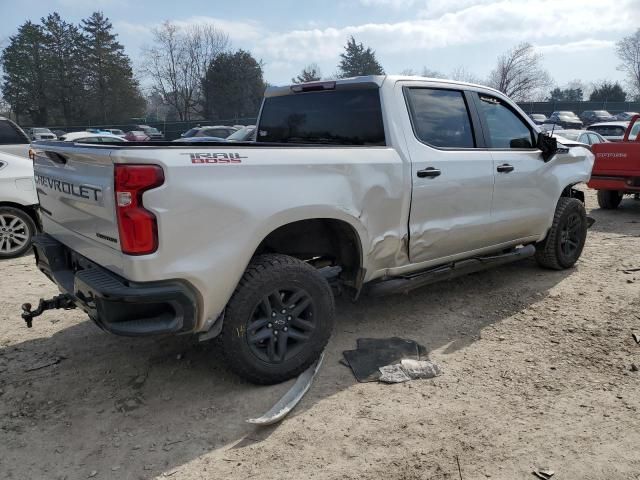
(82, 191)
(215, 157)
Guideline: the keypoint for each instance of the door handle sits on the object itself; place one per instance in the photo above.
(505, 168)
(429, 172)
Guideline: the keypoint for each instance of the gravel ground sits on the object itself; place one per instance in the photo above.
(537, 372)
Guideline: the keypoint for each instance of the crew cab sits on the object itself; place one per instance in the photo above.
(616, 171)
(371, 185)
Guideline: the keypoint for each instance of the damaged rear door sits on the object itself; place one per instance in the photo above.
(452, 178)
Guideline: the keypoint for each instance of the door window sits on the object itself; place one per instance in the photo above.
(506, 130)
(440, 117)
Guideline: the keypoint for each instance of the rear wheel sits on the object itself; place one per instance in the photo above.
(609, 199)
(278, 320)
(564, 243)
(16, 231)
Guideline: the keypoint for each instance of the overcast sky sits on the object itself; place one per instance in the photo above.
(577, 37)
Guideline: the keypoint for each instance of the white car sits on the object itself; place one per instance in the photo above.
(89, 137)
(18, 204)
(41, 134)
(612, 131)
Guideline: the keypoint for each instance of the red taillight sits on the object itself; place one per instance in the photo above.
(137, 226)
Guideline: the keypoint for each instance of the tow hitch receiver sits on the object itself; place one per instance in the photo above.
(63, 300)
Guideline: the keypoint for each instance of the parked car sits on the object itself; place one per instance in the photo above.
(424, 180)
(538, 118)
(151, 132)
(41, 134)
(199, 139)
(115, 131)
(589, 117)
(245, 134)
(136, 136)
(89, 137)
(18, 203)
(565, 119)
(58, 133)
(584, 137)
(550, 127)
(612, 131)
(13, 139)
(219, 131)
(616, 171)
(626, 116)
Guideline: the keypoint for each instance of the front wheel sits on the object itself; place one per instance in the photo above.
(16, 231)
(609, 199)
(278, 320)
(566, 238)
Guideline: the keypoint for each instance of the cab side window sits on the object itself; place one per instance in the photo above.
(440, 118)
(506, 130)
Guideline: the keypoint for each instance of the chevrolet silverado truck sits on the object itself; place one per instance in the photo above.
(616, 171)
(372, 185)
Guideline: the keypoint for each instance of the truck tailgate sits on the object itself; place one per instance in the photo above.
(75, 189)
(617, 157)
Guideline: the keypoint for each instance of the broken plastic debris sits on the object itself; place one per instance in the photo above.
(417, 369)
(290, 399)
(544, 473)
(393, 374)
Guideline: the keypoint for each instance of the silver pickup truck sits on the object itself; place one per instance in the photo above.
(371, 185)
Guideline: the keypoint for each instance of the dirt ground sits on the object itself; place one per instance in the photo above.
(537, 372)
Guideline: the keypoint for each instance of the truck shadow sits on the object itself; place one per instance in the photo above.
(148, 406)
(623, 220)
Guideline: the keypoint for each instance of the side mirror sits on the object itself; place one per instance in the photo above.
(548, 145)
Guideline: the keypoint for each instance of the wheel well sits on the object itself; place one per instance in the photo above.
(320, 242)
(571, 192)
(31, 210)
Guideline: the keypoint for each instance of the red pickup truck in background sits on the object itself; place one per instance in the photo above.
(616, 171)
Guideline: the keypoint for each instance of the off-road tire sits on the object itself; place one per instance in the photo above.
(30, 231)
(550, 252)
(266, 274)
(609, 199)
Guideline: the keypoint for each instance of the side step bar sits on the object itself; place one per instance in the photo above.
(407, 283)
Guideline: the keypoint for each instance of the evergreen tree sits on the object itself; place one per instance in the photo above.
(24, 82)
(310, 73)
(358, 60)
(62, 45)
(115, 94)
(233, 86)
(566, 95)
(608, 92)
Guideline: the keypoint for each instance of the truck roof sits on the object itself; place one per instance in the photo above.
(371, 81)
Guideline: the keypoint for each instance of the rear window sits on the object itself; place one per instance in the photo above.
(338, 117)
(608, 130)
(10, 134)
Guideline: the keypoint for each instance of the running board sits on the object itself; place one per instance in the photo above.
(407, 283)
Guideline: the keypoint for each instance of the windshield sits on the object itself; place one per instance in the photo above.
(41, 130)
(602, 113)
(191, 133)
(242, 134)
(569, 135)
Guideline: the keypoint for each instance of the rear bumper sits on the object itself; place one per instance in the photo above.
(622, 183)
(115, 304)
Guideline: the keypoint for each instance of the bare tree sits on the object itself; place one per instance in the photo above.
(310, 73)
(178, 61)
(461, 74)
(628, 50)
(519, 73)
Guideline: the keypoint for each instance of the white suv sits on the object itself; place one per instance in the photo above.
(18, 203)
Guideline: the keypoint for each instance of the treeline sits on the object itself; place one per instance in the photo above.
(55, 72)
